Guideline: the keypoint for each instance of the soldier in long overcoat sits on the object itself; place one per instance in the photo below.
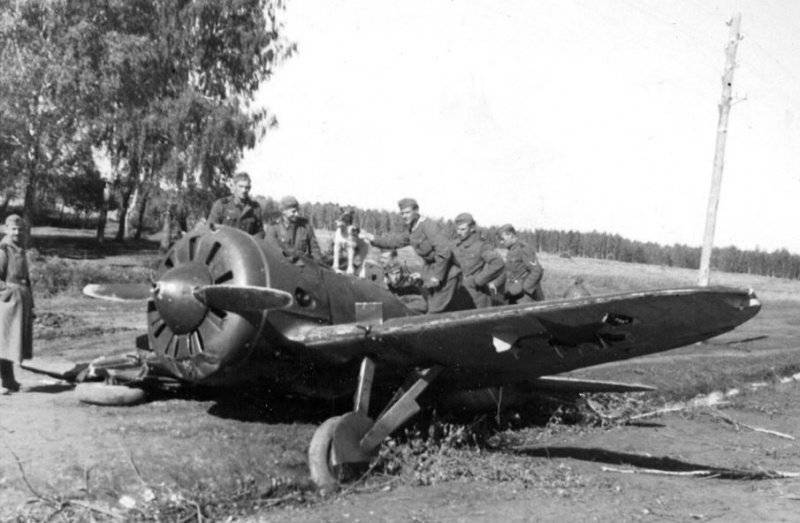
(480, 264)
(238, 210)
(441, 277)
(293, 234)
(16, 303)
(523, 271)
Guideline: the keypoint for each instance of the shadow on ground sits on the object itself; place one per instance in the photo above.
(52, 388)
(663, 463)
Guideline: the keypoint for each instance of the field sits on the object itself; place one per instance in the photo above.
(242, 453)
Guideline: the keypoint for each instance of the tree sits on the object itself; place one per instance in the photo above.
(163, 89)
(41, 85)
(178, 78)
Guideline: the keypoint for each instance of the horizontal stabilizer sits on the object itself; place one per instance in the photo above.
(243, 298)
(564, 384)
(119, 291)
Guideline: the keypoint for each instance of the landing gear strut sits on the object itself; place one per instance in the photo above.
(350, 441)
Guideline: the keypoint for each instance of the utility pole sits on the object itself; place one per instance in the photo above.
(719, 153)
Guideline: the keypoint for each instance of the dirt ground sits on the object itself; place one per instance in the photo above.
(242, 455)
(56, 449)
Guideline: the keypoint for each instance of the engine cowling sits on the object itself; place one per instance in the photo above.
(203, 341)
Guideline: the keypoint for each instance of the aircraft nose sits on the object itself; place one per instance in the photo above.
(173, 297)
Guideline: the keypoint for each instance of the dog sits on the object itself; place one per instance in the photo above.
(349, 251)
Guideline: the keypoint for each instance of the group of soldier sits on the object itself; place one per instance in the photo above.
(454, 271)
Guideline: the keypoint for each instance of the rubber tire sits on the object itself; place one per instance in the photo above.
(319, 456)
(108, 395)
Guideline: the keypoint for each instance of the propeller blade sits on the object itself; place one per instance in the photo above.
(243, 298)
(119, 291)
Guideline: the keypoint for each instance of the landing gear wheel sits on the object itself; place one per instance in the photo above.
(335, 455)
(109, 395)
(322, 470)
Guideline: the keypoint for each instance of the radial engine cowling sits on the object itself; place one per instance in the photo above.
(198, 342)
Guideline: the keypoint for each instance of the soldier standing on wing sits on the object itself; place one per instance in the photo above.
(480, 264)
(523, 272)
(238, 210)
(293, 234)
(441, 277)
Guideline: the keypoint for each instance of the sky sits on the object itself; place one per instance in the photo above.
(557, 114)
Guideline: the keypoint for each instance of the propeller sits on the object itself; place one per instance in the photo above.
(234, 298)
(242, 298)
(119, 291)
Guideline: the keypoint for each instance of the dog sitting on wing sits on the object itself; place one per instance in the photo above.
(349, 251)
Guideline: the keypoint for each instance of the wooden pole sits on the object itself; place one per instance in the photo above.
(719, 152)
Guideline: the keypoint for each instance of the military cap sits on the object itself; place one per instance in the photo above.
(408, 202)
(507, 228)
(465, 217)
(287, 202)
(14, 220)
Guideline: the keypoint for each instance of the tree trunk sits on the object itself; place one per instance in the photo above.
(123, 213)
(166, 231)
(102, 218)
(4, 205)
(140, 218)
(30, 197)
(133, 206)
(128, 187)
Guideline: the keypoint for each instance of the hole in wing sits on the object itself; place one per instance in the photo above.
(617, 320)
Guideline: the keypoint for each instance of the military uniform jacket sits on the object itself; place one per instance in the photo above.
(523, 272)
(478, 260)
(16, 303)
(295, 239)
(430, 244)
(242, 214)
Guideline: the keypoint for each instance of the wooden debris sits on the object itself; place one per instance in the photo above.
(724, 417)
(710, 473)
(657, 472)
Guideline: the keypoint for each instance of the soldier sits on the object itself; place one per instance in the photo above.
(238, 210)
(441, 277)
(523, 272)
(293, 234)
(479, 262)
(16, 304)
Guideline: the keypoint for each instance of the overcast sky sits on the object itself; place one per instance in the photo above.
(564, 114)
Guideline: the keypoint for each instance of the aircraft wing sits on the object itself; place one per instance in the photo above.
(521, 342)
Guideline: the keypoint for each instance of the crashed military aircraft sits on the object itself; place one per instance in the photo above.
(228, 308)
